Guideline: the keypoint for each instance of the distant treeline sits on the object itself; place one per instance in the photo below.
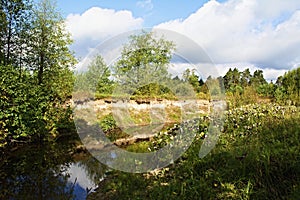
(239, 87)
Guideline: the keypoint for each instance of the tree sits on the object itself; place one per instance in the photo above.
(15, 21)
(201, 82)
(50, 52)
(50, 58)
(32, 106)
(213, 86)
(236, 75)
(245, 78)
(257, 79)
(279, 81)
(192, 78)
(288, 87)
(144, 61)
(228, 79)
(232, 81)
(97, 77)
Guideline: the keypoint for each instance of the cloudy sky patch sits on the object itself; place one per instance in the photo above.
(262, 34)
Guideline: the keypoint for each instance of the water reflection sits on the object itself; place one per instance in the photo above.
(48, 172)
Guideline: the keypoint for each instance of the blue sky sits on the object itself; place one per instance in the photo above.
(255, 34)
(153, 12)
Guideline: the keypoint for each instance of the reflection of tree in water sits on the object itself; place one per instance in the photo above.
(37, 173)
(43, 172)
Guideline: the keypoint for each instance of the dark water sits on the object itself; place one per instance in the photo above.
(48, 171)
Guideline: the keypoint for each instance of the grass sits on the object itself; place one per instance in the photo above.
(173, 113)
(139, 147)
(140, 117)
(257, 157)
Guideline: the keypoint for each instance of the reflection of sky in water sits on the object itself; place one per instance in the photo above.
(82, 182)
(48, 172)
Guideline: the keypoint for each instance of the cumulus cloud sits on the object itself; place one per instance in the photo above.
(258, 32)
(255, 34)
(97, 24)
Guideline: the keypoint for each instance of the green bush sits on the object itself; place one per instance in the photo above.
(29, 112)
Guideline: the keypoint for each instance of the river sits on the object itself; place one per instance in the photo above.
(49, 171)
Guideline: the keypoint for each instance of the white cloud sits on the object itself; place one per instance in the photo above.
(97, 24)
(261, 32)
(255, 34)
(202, 69)
(146, 4)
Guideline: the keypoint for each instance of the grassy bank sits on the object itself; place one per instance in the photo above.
(257, 157)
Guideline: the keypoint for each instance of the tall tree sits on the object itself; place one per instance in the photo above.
(143, 61)
(15, 21)
(98, 75)
(245, 77)
(228, 79)
(192, 78)
(257, 79)
(50, 58)
(290, 86)
(50, 53)
(236, 75)
(33, 106)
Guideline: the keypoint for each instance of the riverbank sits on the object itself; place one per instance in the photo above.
(257, 157)
(125, 123)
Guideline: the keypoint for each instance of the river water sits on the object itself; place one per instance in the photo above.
(49, 171)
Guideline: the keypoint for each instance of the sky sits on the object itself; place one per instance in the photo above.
(255, 34)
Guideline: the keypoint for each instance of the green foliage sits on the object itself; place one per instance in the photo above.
(15, 22)
(248, 119)
(266, 90)
(235, 81)
(97, 76)
(50, 57)
(36, 80)
(96, 80)
(257, 157)
(143, 61)
(107, 123)
(202, 95)
(232, 79)
(153, 90)
(215, 87)
(110, 128)
(237, 99)
(15, 105)
(288, 87)
(192, 78)
(102, 95)
(28, 111)
(212, 87)
(140, 147)
(243, 88)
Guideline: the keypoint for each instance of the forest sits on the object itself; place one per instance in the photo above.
(257, 155)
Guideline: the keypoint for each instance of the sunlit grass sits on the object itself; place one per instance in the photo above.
(257, 157)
